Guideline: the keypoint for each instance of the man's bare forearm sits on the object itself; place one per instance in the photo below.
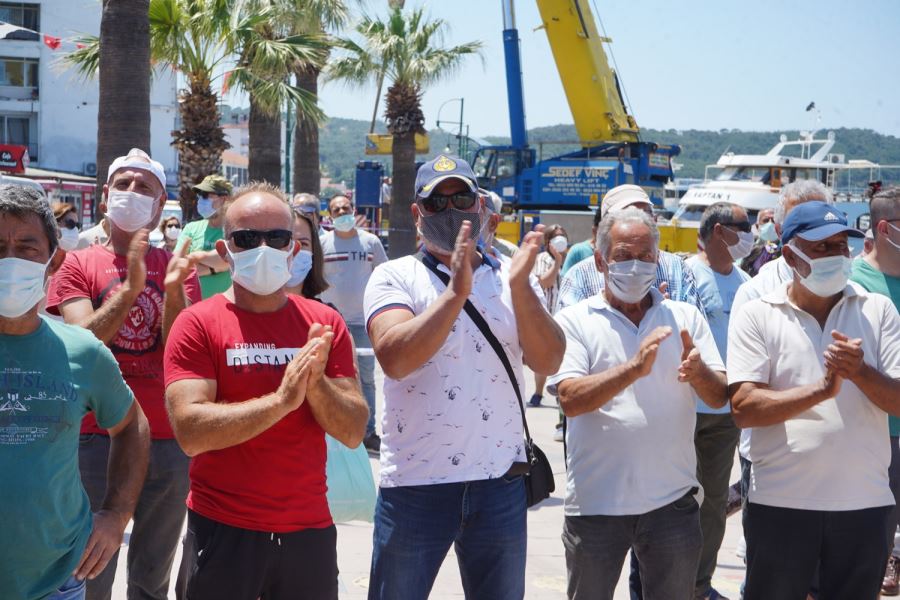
(543, 341)
(581, 395)
(762, 407)
(338, 406)
(712, 388)
(408, 345)
(106, 321)
(129, 455)
(174, 302)
(205, 426)
(880, 389)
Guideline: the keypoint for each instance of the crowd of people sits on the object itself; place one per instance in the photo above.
(196, 381)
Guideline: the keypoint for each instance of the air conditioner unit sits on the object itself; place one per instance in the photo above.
(90, 169)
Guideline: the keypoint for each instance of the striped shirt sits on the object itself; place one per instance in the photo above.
(584, 280)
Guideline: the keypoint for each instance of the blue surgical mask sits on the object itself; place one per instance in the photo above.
(767, 232)
(300, 268)
(344, 223)
(205, 208)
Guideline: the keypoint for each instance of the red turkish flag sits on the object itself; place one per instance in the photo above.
(80, 46)
(52, 42)
(226, 82)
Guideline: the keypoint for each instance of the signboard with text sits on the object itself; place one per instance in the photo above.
(13, 159)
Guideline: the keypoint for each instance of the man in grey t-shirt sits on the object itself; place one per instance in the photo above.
(350, 257)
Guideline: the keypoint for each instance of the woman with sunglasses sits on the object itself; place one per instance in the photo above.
(69, 227)
(170, 229)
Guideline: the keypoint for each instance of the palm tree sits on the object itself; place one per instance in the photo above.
(199, 39)
(407, 49)
(123, 116)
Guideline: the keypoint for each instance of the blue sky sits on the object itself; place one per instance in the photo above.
(685, 65)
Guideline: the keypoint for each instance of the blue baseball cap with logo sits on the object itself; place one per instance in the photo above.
(814, 221)
(442, 168)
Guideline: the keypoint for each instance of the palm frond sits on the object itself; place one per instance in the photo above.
(270, 95)
(85, 60)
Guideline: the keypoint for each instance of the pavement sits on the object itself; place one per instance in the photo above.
(545, 575)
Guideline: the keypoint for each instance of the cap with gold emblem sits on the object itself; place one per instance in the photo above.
(214, 184)
(441, 168)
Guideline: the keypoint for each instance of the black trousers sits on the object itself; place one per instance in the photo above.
(784, 545)
(239, 564)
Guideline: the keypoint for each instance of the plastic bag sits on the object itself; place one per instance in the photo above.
(351, 487)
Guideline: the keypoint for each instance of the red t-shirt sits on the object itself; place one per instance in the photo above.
(276, 481)
(96, 273)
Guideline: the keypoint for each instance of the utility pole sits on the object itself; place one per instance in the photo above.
(289, 129)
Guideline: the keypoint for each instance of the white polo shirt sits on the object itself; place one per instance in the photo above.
(635, 453)
(835, 455)
(456, 418)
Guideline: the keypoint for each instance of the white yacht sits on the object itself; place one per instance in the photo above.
(754, 181)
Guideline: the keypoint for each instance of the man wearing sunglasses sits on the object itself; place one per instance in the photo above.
(213, 194)
(350, 257)
(255, 378)
(452, 426)
(128, 294)
(726, 237)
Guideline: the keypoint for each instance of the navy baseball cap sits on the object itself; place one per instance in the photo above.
(441, 168)
(814, 221)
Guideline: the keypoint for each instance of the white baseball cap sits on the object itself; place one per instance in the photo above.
(623, 196)
(138, 159)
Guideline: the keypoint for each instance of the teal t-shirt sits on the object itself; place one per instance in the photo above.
(49, 380)
(203, 239)
(878, 283)
(577, 253)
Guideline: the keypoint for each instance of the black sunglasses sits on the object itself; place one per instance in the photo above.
(742, 226)
(69, 224)
(247, 239)
(435, 203)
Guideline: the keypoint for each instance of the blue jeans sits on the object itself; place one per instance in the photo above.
(366, 371)
(666, 542)
(415, 526)
(72, 589)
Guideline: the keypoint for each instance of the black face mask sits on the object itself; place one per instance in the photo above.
(441, 229)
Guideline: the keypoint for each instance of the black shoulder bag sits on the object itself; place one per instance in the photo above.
(538, 475)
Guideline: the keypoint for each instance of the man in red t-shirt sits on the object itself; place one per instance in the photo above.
(128, 295)
(254, 379)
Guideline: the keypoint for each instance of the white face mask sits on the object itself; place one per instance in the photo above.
(68, 239)
(261, 270)
(172, 232)
(827, 276)
(21, 285)
(630, 280)
(129, 211)
(300, 267)
(559, 243)
(743, 246)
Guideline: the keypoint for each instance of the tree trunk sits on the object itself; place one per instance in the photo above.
(123, 114)
(265, 146)
(200, 141)
(402, 235)
(307, 176)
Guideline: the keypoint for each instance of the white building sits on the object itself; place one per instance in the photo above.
(49, 108)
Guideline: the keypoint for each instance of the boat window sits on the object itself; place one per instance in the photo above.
(689, 213)
(760, 174)
(812, 174)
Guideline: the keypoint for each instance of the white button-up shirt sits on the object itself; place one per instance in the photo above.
(455, 418)
(635, 453)
(835, 455)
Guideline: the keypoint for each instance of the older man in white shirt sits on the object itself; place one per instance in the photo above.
(814, 368)
(633, 360)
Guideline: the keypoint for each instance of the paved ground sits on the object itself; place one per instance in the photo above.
(546, 569)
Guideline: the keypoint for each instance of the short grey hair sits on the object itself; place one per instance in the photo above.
(718, 213)
(802, 190)
(20, 202)
(884, 206)
(304, 199)
(625, 216)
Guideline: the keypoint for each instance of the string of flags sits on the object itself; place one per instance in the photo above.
(15, 32)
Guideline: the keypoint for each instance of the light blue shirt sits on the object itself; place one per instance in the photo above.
(717, 293)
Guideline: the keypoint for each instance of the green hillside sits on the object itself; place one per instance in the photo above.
(342, 144)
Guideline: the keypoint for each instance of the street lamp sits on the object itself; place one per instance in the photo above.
(459, 136)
